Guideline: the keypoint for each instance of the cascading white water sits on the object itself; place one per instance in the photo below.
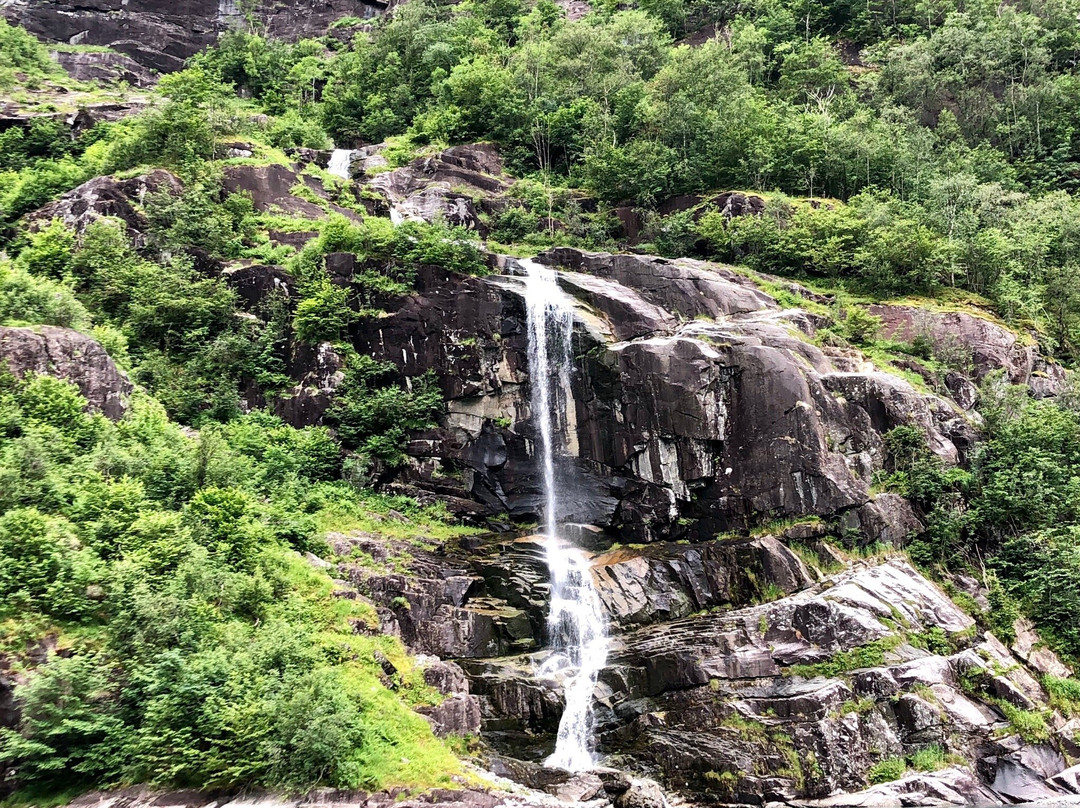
(576, 620)
(340, 162)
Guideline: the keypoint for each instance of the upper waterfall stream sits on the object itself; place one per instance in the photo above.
(576, 621)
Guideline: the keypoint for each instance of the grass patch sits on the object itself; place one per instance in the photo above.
(1064, 695)
(871, 655)
(886, 771)
(1028, 724)
(391, 516)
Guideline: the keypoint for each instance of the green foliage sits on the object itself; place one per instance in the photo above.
(372, 414)
(887, 770)
(30, 299)
(201, 650)
(21, 53)
(1028, 724)
(323, 315)
(929, 758)
(1064, 694)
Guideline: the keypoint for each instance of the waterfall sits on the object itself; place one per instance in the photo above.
(576, 618)
(340, 161)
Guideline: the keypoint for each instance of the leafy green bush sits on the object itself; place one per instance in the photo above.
(201, 650)
(323, 315)
(22, 53)
(372, 414)
(929, 758)
(29, 299)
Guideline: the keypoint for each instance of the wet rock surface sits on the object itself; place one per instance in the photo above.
(740, 671)
(700, 405)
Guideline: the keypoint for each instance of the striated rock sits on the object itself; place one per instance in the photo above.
(456, 716)
(104, 66)
(1028, 647)
(69, 355)
(318, 371)
(664, 582)
(682, 426)
(271, 186)
(952, 786)
(682, 286)
(161, 36)
(257, 283)
(464, 796)
(642, 794)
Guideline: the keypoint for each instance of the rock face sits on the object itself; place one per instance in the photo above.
(453, 185)
(717, 460)
(161, 35)
(976, 346)
(104, 67)
(271, 188)
(700, 406)
(107, 197)
(69, 355)
(739, 671)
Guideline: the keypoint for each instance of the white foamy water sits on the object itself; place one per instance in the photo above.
(576, 621)
(340, 161)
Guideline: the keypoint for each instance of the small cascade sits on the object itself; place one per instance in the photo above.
(340, 162)
(576, 620)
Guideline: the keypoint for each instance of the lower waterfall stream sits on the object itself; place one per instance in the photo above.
(576, 621)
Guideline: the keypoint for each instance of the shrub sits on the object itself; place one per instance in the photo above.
(26, 299)
(929, 758)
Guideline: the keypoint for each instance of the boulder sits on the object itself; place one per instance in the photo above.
(1028, 647)
(69, 355)
(107, 197)
(975, 344)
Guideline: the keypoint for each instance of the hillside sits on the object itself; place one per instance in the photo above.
(503, 403)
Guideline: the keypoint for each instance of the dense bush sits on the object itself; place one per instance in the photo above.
(202, 650)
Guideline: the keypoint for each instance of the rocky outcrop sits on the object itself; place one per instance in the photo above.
(700, 406)
(273, 187)
(729, 204)
(739, 672)
(69, 355)
(106, 67)
(107, 197)
(973, 345)
(454, 186)
(161, 35)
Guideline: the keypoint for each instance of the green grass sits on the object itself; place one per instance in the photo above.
(1028, 724)
(1064, 695)
(929, 758)
(887, 770)
(871, 655)
(393, 517)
